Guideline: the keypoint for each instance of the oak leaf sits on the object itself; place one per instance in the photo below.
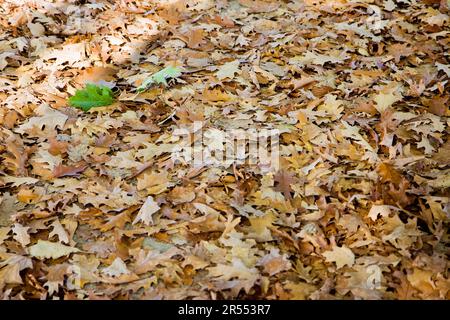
(117, 268)
(48, 117)
(147, 211)
(21, 234)
(50, 250)
(341, 256)
(228, 70)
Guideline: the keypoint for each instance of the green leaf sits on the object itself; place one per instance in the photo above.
(160, 77)
(92, 96)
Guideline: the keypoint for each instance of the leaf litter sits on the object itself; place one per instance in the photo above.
(92, 207)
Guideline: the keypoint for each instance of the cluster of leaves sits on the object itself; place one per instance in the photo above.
(93, 206)
(100, 95)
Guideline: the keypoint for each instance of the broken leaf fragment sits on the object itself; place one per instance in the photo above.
(92, 96)
(50, 250)
(159, 77)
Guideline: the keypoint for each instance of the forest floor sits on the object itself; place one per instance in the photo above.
(93, 205)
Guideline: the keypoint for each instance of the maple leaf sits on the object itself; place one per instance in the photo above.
(160, 77)
(92, 96)
(50, 250)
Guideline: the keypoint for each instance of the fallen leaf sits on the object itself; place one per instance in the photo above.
(342, 256)
(117, 268)
(147, 211)
(228, 70)
(50, 250)
(21, 234)
(49, 118)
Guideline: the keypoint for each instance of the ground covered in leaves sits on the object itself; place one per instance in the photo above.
(92, 206)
